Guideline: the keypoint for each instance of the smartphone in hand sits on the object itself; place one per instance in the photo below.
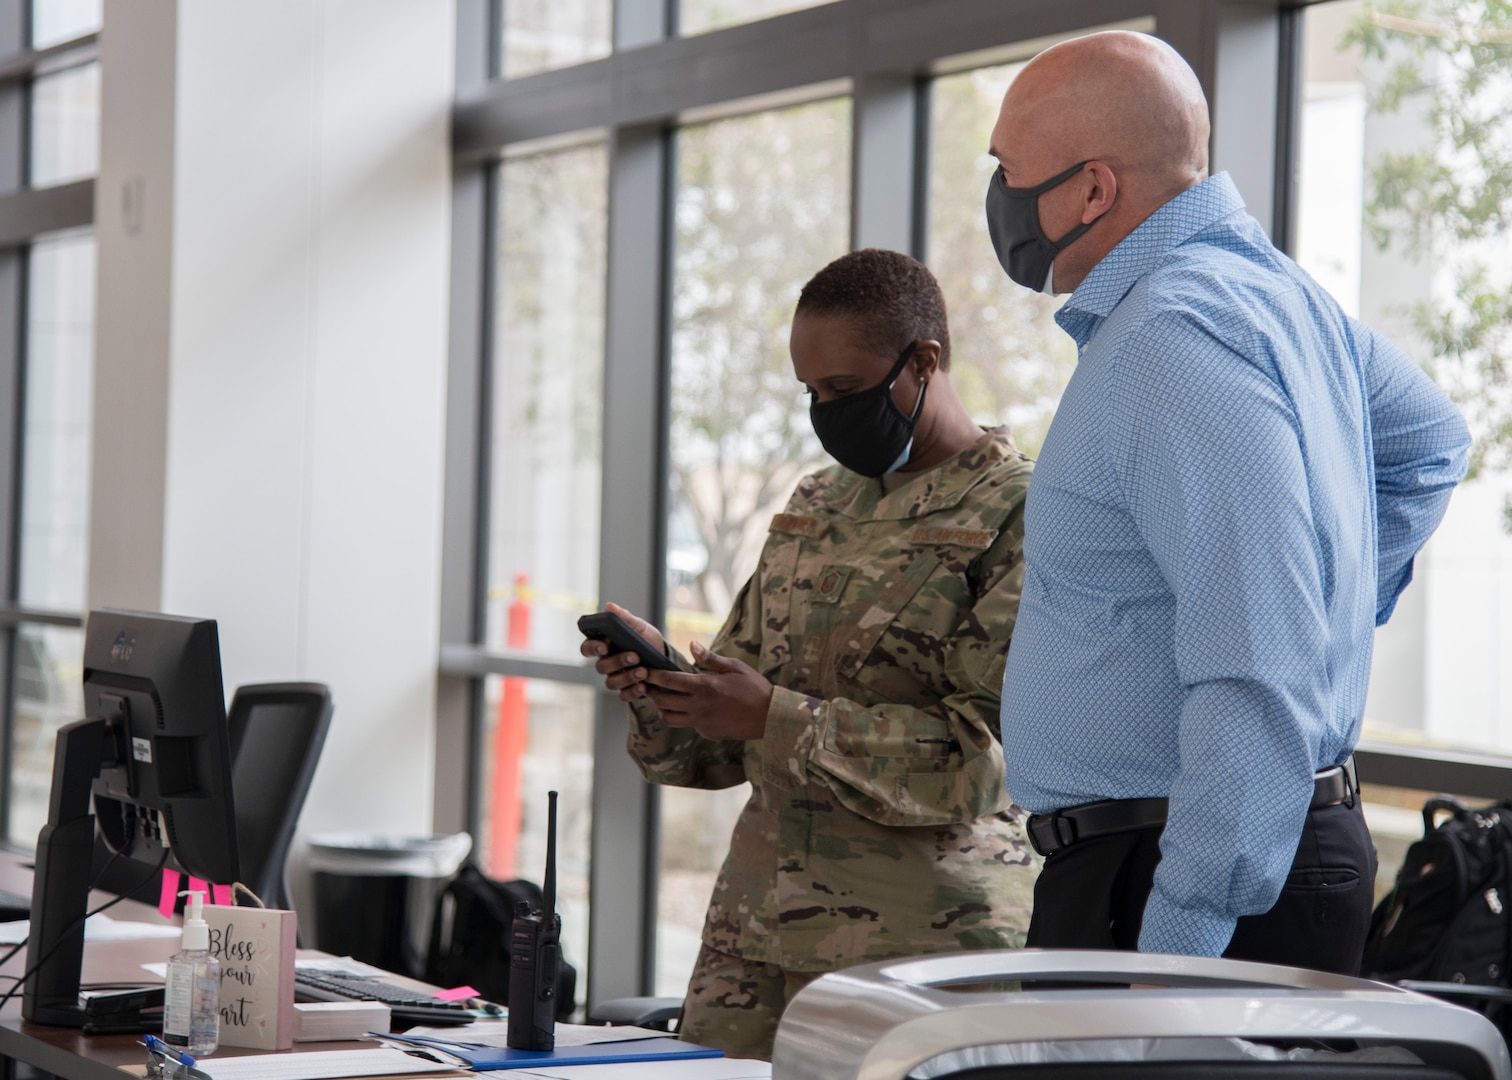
(609, 627)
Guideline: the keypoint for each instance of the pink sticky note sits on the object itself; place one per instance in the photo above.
(456, 993)
(169, 894)
(221, 894)
(196, 885)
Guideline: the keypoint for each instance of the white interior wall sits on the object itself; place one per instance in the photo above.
(301, 184)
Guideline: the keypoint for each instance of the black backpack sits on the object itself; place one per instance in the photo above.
(1449, 917)
(469, 943)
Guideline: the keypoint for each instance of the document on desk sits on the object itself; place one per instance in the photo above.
(496, 1033)
(98, 928)
(492, 1058)
(699, 1069)
(321, 1065)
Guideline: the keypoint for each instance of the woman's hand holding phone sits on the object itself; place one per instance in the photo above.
(725, 699)
(624, 672)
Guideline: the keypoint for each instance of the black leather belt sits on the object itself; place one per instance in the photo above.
(1049, 833)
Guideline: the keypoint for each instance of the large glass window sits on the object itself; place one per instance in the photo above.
(48, 692)
(1009, 360)
(697, 16)
(54, 515)
(747, 238)
(542, 34)
(543, 535)
(539, 738)
(1405, 214)
(56, 429)
(65, 127)
(56, 21)
(547, 399)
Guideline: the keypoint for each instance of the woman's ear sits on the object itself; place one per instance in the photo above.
(925, 360)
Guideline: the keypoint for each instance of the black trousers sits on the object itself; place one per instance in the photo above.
(1092, 895)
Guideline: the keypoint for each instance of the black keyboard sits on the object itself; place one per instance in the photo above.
(409, 1006)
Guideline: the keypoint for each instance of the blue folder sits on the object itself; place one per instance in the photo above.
(492, 1058)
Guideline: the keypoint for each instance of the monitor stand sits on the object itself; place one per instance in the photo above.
(60, 888)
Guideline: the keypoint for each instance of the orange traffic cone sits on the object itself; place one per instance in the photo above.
(510, 736)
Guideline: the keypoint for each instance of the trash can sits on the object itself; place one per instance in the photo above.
(375, 894)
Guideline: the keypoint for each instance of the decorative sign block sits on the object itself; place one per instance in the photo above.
(255, 947)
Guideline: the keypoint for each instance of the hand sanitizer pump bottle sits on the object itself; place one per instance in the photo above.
(191, 1005)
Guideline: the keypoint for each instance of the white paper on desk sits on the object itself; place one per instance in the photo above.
(97, 928)
(318, 1065)
(690, 1069)
(342, 965)
(496, 1033)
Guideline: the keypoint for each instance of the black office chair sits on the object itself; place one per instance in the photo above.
(277, 731)
(657, 1013)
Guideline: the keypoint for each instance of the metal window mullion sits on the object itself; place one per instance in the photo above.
(14, 34)
(13, 291)
(648, 80)
(1235, 48)
(1288, 129)
(493, 49)
(32, 212)
(464, 513)
(14, 614)
(459, 696)
(923, 160)
(476, 774)
(476, 661)
(1467, 773)
(622, 890)
(884, 127)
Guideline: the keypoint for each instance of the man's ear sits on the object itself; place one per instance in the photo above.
(1101, 193)
(925, 360)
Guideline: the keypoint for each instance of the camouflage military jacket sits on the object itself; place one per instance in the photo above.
(878, 825)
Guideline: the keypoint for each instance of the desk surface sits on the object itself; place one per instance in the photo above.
(69, 1053)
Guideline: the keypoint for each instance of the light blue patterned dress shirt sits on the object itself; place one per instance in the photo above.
(1226, 505)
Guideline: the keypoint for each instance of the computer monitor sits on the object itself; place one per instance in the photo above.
(150, 769)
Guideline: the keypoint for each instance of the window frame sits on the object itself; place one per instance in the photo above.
(26, 214)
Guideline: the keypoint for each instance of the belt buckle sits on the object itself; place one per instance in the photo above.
(1061, 830)
(1340, 774)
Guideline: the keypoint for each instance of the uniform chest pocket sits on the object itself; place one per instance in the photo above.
(873, 605)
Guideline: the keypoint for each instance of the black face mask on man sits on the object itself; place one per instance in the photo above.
(1014, 225)
(866, 431)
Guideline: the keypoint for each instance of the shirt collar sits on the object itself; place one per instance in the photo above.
(1143, 249)
(939, 488)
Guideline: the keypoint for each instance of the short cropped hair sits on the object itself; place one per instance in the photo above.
(893, 300)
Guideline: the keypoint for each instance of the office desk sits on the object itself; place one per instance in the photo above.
(67, 1052)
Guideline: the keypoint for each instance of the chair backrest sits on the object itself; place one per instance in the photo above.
(277, 731)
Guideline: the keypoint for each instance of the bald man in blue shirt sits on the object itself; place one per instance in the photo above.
(1226, 506)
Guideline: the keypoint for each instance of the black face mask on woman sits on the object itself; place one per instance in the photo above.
(866, 431)
(1014, 225)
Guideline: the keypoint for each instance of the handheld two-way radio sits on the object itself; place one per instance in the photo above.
(534, 949)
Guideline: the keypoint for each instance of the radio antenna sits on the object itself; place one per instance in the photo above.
(550, 883)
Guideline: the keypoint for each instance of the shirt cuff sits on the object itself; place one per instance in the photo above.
(792, 719)
(1183, 932)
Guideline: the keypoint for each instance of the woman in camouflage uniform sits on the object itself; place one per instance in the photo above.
(856, 683)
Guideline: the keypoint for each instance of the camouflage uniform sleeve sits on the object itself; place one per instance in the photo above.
(681, 757)
(898, 765)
